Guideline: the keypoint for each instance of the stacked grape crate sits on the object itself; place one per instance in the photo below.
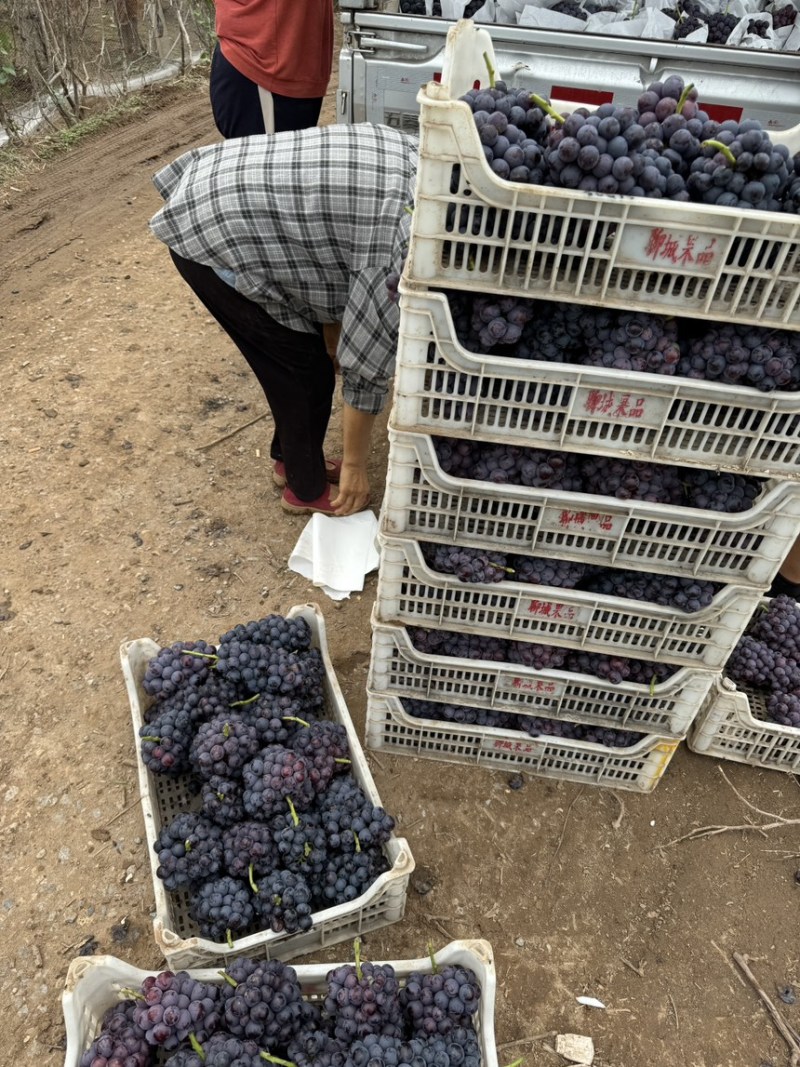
(669, 499)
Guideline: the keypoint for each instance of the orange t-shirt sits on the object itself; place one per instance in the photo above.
(285, 46)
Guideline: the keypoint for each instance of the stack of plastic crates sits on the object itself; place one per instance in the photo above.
(474, 232)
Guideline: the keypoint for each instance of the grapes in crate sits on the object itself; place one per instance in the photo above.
(120, 1041)
(766, 661)
(256, 1010)
(291, 818)
(665, 147)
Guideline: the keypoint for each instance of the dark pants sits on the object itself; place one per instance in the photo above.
(237, 108)
(293, 368)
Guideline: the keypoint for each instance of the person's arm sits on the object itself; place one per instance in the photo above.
(353, 492)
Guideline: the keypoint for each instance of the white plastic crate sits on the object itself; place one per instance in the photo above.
(746, 547)
(727, 728)
(163, 797)
(471, 228)
(95, 984)
(412, 593)
(442, 388)
(638, 768)
(397, 669)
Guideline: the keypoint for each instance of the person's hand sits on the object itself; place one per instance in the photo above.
(353, 492)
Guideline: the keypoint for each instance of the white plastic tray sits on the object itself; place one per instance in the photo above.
(745, 548)
(442, 388)
(410, 592)
(637, 768)
(397, 669)
(618, 251)
(163, 797)
(95, 984)
(727, 728)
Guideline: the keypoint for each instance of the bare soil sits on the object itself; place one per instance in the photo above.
(120, 522)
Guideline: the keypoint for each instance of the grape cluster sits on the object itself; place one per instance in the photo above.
(467, 564)
(766, 661)
(173, 1006)
(120, 1041)
(499, 320)
(223, 907)
(363, 998)
(189, 850)
(742, 355)
(184, 663)
(283, 901)
(273, 775)
(270, 655)
(249, 847)
(352, 823)
(720, 26)
(571, 8)
(223, 745)
(221, 1050)
(760, 27)
(440, 1002)
(223, 800)
(784, 16)
(166, 739)
(635, 341)
(262, 1000)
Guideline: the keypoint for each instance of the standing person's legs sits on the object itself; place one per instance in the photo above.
(236, 105)
(293, 368)
(295, 113)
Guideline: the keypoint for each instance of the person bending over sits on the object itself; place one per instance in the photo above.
(280, 236)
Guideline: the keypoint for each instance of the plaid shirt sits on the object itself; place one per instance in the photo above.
(310, 223)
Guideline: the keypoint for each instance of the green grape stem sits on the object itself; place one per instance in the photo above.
(516, 1063)
(491, 70)
(250, 879)
(357, 954)
(409, 209)
(684, 97)
(723, 148)
(293, 810)
(551, 111)
(432, 958)
(226, 977)
(244, 703)
(294, 718)
(229, 938)
(132, 994)
(276, 1059)
(150, 737)
(198, 1048)
(341, 759)
(201, 655)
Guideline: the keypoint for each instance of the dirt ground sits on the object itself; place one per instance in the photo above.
(119, 522)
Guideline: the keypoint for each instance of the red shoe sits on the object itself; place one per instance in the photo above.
(333, 469)
(295, 506)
